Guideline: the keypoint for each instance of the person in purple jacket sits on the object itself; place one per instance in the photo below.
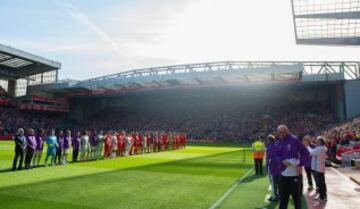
(66, 147)
(40, 137)
(30, 148)
(93, 144)
(273, 167)
(60, 141)
(307, 164)
(76, 140)
(291, 156)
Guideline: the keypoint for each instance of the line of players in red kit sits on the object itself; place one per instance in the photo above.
(124, 144)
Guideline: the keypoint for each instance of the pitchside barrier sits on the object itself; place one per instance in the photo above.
(6, 138)
(349, 157)
(202, 140)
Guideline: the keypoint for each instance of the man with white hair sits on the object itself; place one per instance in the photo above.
(20, 145)
(291, 156)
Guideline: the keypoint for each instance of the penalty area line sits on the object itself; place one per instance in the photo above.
(228, 192)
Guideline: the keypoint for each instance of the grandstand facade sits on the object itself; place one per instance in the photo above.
(339, 77)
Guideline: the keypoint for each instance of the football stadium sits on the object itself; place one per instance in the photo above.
(247, 134)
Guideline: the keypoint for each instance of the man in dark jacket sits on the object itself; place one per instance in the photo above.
(20, 145)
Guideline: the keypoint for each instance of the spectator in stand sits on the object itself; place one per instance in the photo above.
(20, 145)
(40, 138)
(30, 148)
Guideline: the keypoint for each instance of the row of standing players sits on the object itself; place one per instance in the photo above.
(90, 145)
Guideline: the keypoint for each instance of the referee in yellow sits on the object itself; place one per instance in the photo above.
(258, 148)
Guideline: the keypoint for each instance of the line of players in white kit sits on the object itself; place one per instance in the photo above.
(90, 145)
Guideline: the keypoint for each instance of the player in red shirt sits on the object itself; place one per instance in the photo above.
(176, 141)
(161, 141)
(156, 142)
(133, 145)
(185, 140)
(148, 141)
(166, 141)
(107, 142)
(121, 143)
(140, 142)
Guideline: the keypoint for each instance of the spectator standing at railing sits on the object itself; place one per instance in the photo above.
(318, 165)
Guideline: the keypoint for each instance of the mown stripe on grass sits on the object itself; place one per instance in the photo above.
(228, 192)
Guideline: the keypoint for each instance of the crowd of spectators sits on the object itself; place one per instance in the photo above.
(223, 124)
(220, 117)
(11, 119)
(342, 138)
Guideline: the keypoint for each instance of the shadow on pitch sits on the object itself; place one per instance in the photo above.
(193, 166)
(210, 165)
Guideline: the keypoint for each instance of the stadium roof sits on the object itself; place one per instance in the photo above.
(15, 64)
(210, 74)
(327, 22)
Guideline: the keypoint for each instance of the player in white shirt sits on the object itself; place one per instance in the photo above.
(84, 146)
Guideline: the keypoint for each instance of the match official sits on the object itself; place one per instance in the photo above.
(258, 149)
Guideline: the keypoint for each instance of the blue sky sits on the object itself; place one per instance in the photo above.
(93, 38)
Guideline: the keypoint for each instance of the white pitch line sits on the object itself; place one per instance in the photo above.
(228, 192)
(341, 174)
(267, 196)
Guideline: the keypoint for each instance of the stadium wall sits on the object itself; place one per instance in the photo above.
(352, 98)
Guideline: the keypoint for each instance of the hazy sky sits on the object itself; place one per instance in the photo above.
(98, 37)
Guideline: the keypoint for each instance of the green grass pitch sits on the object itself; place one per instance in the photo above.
(194, 177)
